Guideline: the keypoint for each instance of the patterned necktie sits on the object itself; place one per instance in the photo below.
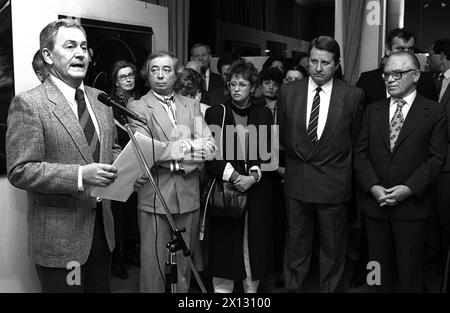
(396, 123)
(169, 102)
(314, 118)
(87, 125)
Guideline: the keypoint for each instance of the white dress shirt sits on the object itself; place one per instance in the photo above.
(325, 96)
(207, 75)
(445, 83)
(409, 99)
(166, 107)
(69, 93)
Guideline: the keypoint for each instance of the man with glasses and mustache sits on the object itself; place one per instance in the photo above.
(400, 152)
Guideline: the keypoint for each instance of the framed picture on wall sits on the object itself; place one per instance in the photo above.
(6, 75)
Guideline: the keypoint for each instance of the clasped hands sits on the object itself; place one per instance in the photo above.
(243, 183)
(200, 148)
(391, 196)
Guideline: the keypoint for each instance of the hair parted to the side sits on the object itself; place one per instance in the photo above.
(145, 70)
(49, 32)
(328, 44)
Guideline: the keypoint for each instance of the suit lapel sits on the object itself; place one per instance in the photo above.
(382, 117)
(68, 119)
(418, 112)
(160, 116)
(299, 113)
(446, 97)
(183, 115)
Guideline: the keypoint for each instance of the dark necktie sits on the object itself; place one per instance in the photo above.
(396, 123)
(314, 118)
(87, 125)
(439, 83)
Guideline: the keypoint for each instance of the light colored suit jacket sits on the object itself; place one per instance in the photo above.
(45, 145)
(181, 191)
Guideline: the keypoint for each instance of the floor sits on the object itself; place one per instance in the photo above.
(131, 285)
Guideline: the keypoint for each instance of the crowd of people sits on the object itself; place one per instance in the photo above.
(373, 155)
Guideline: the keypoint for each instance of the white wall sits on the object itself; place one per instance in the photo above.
(17, 272)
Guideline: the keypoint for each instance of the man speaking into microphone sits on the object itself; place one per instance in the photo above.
(60, 143)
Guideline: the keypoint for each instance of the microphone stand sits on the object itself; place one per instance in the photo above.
(176, 243)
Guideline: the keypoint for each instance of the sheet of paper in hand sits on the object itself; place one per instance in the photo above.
(130, 168)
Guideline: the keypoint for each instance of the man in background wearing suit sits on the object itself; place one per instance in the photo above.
(178, 122)
(439, 61)
(212, 81)
(400, 152)
(319, 120)
(60, 143)
(399, 39)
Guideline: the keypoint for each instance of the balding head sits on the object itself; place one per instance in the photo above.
(401, 74)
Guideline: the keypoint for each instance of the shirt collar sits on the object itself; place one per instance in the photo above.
(312, 86)
(67, 91)
(409, 99)
(162, 98)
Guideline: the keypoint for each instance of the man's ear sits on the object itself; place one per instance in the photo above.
(47, 56)
(417, 75)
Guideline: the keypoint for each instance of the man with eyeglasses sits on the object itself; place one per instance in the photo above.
(177, 121)
(399, 39)
(319, 120)
(400, 152)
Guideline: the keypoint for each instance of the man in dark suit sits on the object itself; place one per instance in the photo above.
(372, 83)
(319, 120)
(212, 81)
(439, 61)
(60, 143)
(400, 152)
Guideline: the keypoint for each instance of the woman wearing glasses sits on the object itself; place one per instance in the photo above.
(124, 90)
(241, 249)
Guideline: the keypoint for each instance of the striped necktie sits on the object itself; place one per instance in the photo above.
(87, 125)
(396, 123)
(314, 118)
(169, 102)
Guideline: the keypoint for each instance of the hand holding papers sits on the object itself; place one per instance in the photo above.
(130, 168)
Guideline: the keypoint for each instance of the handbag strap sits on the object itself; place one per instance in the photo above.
(202, 227)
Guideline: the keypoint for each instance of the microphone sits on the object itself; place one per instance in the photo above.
(104, 98)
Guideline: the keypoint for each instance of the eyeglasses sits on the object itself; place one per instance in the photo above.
(125, 77)
(397, 75)
(241, 85)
